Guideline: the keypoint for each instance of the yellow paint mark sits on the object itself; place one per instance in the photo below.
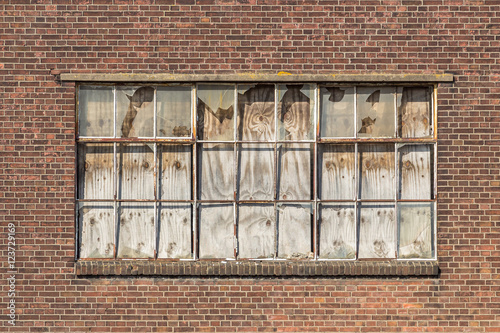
(284, 73)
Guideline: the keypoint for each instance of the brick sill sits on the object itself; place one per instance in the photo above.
(256, 268)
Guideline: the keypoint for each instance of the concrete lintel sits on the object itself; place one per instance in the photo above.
(257, 77)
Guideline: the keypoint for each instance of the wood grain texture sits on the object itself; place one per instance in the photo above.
(95, 170)
(337, 112)
(256, 118)
(97, 236)
(136, 230)
(175, 231)
(337, 173)
(216, 231)
(416, 230)
(294, 172)
(295, 231)
(255, 172)
(256, 231)
(215, 112)
(377, 171)
(377, 231)
(337, 231)
(376, 115)
(415, 172)
(217, 171)
(95, 111)
(414, 112)
(173, 111)
(136, 172)
(175, 172)
(294, 113)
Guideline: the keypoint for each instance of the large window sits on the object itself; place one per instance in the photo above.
(256, 171)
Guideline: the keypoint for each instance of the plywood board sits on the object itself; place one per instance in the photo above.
(97, 237)
(294, 172)
(95, 171)
(217, 171)
(136, 230)
(256, 172)
(215, 112)
(256, 231)
(256, 116)
(416, 230)
(136, 172)
(173, 111)
(415, 172)
(295, 231)
(216, 231)
(376, 115)
(337, 112)
(295, 112)
(175, 169)
(175, 231)
(337, 173)
(134, 112)
(377, 171)
(337, 234)
(414, 112)
(377, 231)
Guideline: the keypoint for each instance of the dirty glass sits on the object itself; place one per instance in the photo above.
(337, 112)
(173, 117)
(215, 112)
(95, 111)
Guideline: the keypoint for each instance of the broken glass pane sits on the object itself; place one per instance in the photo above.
(337, 112)
(296, 111)
(375, 112)
(174, 111)
(256, 112)
(215, 112)
(414, 112)
(135, 112)
(95, 111)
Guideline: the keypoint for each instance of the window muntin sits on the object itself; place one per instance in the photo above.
(235, 171)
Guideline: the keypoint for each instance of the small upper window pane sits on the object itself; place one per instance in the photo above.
(174, 111)
(135, 112)
(337, 112)
(95, 106)
(414, 112)
(296, 112)
(215, 112)
(375, 112)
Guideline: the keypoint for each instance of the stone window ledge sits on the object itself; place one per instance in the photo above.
(256, 268)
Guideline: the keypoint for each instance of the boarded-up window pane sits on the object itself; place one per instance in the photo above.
(217, 171)
(337, 231)
(255, 172)
(294, 171)
(295, 231)
(97, 232)
(175, 172)
(96, 110)
(376, 167)
(136, 171)
(215, 112)
(296, 112)
(337, 112)
(136, 230)
(414, 112)
(415, 172)
(216, 231)
(376, 114)
(173, 111)
(337, 172)
(416, 230)
(135, 112)
(377, 231)
(95, 170)
(256, 231)
(175, 231)
(256, 117)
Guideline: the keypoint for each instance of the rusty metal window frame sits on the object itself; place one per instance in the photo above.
(315, 143)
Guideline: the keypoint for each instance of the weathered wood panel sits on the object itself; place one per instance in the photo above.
(175, 231)
(217, 171)
(377, 171)
(134, 111)
(416, 230)
(95, 111)
(95, 170)
(377, 231)
(216, 231)
(175, 172)
(256, 231)
(337, 235)
(173, 111)
(337, 173)
(295, 231)
(256, 172)
(136, 172)
(337, 112)
(376, 116)
(215, 112)
(97, 237)
(294, 172)
(256, 118)
(136, 230)
(295, 112)
(415, 172)
(414, 112)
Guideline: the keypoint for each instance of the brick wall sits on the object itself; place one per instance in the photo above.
(41, 39)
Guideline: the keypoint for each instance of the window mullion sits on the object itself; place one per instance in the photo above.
(194, 208)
